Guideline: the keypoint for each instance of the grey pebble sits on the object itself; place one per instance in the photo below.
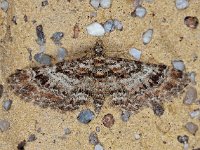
(195, 113)
(4, 125)
(191, 127)
(7, 104)
(56, 37)
(61, 53)
(139, 12)
(40, 35)
(42, 58)
(98, 147)
(183, 139)
(118, 24)
(192, 76)
(67, 131)
(191, 96)
(4, 5)
(1, 90)
(32, 138)
(178, 65)
(109, 26)
(93, 138)
(125, 115)
(45, 3)
(85, 116)
(182, 4)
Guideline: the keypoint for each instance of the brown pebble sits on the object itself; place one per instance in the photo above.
(21, 145)
(76, 31)
(1, 90)
(191, 127)
(108, 120)
(191, 22)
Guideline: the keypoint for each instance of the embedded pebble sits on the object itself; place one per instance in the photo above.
(45, 3)
(125, 115)
(183, 139)
(178, 65)
(118, 25)
(95, 3)
(21, 145)
(109, 26)
(191, 96)
(108, 120)
(40, 35)
(95, 29)
(135, 53)
(1, 90)
(4, 125)
(192, 76)
(62, 52)
(137, 136)
(98, 129)
(158, 109)
(195, 113)
(7, 104)
(85, 116)
(4, 5)
(56, 37)
(93, 138)
(98, 147)
(32, 138)
(105, 4)
(147, 36)
(42, 58)
(182, 4)
(67, 131)
(139, 12)
(191, 127)
(76, 31)
(191, 22)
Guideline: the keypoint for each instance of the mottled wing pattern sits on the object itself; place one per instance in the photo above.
(64, 86)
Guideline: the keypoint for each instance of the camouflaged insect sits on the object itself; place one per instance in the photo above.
(130, 85)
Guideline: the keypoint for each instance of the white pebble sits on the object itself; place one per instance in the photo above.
(185, 146)
(195, 113)
(98, 147)
(95, 3)
(182, 4)
(105, 3)
(95, 29)
(140, 12)
(137, 136)
(4, 5)
(135, 53)
(118, 25)
(147, 36)
(178, 65)
(192, 76)
(109, 25)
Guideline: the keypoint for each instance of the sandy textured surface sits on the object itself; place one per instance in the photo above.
(61, 15)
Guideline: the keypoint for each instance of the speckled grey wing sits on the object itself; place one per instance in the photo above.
(141, 84)
(63, 86)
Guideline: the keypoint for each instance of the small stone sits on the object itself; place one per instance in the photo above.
(191, 22)
(40, 35)
(192, 76)
(183, 139)
(95, 29)
(98, 129)
(7, 104)
(67, 131)
(158, 109)
(109, 26)
(76, 31)
(32, 138)
(14, 20)
(4, 5)
(56, 37)
(108, 120)
(147, 36)
(195, 113)
(178, 65)
(62, 52)
(182, 4)
(1, 90)
(118, 25)
(139, 12)
(45, 3)
(137, 136)
(105, 4)
(93, 138)
(135, 53)
(42, 58)
(85, 116)
(21, 145)
(125, 115)
(191, 127)
(191, 96)
(95, 3)
(4, 125)
(98, 147)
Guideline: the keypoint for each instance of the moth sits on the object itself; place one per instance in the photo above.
(127, 84)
